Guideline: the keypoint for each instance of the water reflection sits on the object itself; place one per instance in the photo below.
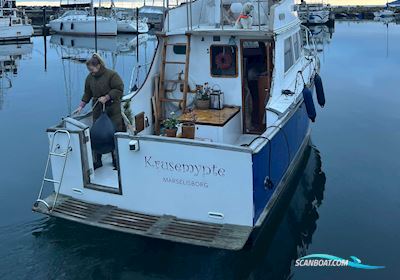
(80, 45)
(73, 51)
(387, 21)
(322, 35)
(106, 254)
(10, 54)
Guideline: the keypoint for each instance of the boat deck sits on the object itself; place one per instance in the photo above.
(223, 236)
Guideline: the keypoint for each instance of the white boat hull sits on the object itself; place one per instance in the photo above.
(129, 26)
(16, 32)
(105, 27)
(384, 14)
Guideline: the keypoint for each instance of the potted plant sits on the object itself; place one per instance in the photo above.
(203, 97)
(188, 128)
(171, 125)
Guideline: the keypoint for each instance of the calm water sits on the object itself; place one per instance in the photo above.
(344, 199)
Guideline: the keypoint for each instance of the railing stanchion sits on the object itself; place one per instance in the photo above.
(187, 14)
(221, 13)
(95, 29)
(259, 17)
(191, 21)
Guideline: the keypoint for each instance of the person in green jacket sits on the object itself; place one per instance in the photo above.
(105, 88)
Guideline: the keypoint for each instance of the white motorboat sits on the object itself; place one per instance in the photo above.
(126, 25)
(81, 22)
(154, 14)
(127, 22)
(13, 26)
(217, 182)
(385, 13)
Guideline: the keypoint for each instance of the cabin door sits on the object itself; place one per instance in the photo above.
(257, 66)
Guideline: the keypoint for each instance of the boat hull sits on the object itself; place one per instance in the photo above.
(384, 15)
(274, 163)
(84, 27)
(129, 26)
(15, 32)
(187, 204)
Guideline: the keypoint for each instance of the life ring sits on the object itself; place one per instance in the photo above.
(223, 60)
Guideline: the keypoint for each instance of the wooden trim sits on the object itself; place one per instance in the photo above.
(231, 116)
(236, 61)
(186, 77)
(268, 62)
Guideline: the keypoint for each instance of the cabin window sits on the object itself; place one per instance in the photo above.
(223, 61)
(179, 49)
(296, 46)
(288, 54)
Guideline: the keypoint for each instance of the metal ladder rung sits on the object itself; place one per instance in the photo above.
(51, 181)
(174, 62)
(174, 81)
(58, 154)
(170, 100)
(176, 44)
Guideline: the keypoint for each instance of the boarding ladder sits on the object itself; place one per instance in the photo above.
(162, 89)
(63, 154)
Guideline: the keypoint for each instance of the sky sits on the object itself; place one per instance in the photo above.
(138, 3)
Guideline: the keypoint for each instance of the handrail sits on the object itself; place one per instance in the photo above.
(219, 23)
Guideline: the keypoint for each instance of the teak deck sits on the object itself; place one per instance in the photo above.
(223, 236)
(210, 116)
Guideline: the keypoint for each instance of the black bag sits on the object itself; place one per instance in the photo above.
(102, 135)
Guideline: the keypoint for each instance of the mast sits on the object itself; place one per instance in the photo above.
(2, 7)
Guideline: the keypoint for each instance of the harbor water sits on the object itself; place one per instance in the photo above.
(344, 198)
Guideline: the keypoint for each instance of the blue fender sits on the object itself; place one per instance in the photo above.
(319, 89)
(308, 100)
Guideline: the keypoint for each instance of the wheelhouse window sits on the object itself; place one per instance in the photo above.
(223, 61)
(288, 51)
(296, 45)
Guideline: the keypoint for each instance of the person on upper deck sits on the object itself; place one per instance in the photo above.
(103, 86)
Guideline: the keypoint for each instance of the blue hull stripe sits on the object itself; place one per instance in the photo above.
(285, 145)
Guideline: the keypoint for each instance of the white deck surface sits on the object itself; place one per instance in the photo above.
(106, 175)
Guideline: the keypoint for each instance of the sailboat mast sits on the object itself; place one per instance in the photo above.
(2, 6)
